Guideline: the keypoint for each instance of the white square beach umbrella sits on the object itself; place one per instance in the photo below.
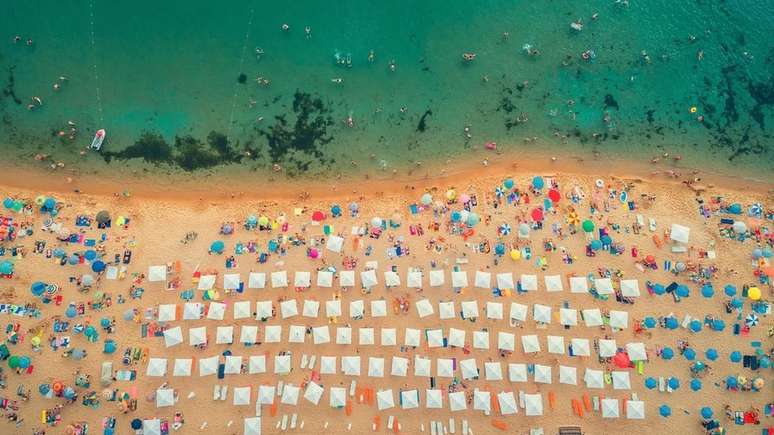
(434, 338)
(555, 344)
(529, 282)
(197, 336)
(506, 341)
(384, 400)
(553, 283)
(350, 365)
(459, 279)
(290, 395)
(470, 309)
(446, 310)
(296, 334)
(208, 366)
(636, 351)
(533, 404)
(409, 399)
(256, 364)
(469, 368)
(592, 317)
(494, 310)
(375, 367)
(579, 284)
(263, 310)
(347, 278)
(568, 316)
(607, 348)
(272, 334)
(483, 280)
(411, 337)
(507, 403)
(379, 308)
(266, 394)
(231, 281)
(206, 282)
(604, 286)
(444, 367)
(321, 334)
(630, 288)
(541, 313)
(505, 280)
(241, 396)
(343, 335)
(518, 311)
(389, 337)
(457, 401)
(288, 308)
(224, 335)
(482, 400)
(216, 311)
(530, 343)
(593, 379)
(157, 367)
(173, 336)
(580, 347)
(619, 319)
(480, 339)
(356, 308)
(282, 365)
(493, 371)
(517, 372)
(366, 336)
(433, 399)
(167, 312)
(424, 308)
(256, 280)
(391, 279)
(621, 380)
(325, 279)
(328, 365)
(279, 279)
(542, 374)
(157, 273)
(311, 308)
(422, 367)
(368, 278)
(242, 310)
(437, 278)
(333, 308)
(302, 279)
(313, 393)
(456, 337)
(399, 366)
(610, 408)
(635, 410)
(182, 367)
(414, 279)
(568, 375)
(338, 397)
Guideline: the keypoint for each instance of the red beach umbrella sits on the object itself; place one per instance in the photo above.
(318, 216)
(621, 360)
(554, 195)
(537, 214)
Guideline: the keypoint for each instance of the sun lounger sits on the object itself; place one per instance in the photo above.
(293, 420)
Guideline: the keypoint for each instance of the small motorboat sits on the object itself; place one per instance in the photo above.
(99, 137)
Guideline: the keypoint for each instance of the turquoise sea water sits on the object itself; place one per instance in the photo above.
(172, 69)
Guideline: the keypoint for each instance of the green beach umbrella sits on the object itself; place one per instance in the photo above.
(588, 226)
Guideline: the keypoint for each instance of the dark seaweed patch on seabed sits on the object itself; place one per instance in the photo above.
(290, 141)
(10, 87)
(188, 153)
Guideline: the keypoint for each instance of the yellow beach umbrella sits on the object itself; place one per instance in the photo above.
(515, 254)
(451, 194)
(754, 293)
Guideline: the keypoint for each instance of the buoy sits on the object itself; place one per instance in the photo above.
(693, 109)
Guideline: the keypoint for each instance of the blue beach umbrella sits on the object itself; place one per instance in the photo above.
(711, 354)
(682, 291)
(707, 291)
(90, 255)
(547, 204)
(538, 183)
(695, 325)
(689, 354)
(104, 322)
(500, 249)
(73, 260)
(764, 362)
(273, 245)
(659, 289)
(473, 219)
(667, 353)
(508, 183)
(44, 389)
(456, 216)
(650, 322)
(217, 247)
(606, 240)
(672, 323)
(8, 203)
(109, 346)
(596, 245)
(731, 382)
(71, 312)
(24, 362)
(49, 204)
(730, 290)
(737, 303)
(706, 412)
(735, 356)
(38, 288)
(718, 325)
(651, 383)
(98, 266)
(59, 253)
(665, 410)
(673, 383)
(695, 384)
(336, 210)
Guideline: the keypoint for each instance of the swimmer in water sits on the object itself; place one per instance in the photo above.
(468, 57)
(258, 52)
(392, 65)
(16, 39)
(285, 28)
(56, 86)
(29, 41)
(371, 56)
(37, 100)
(308, 32)
(594, 16)
(337, 80)
(505, 36)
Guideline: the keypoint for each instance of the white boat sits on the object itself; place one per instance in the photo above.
(99, 137)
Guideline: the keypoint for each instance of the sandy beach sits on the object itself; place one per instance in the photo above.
(160, 216)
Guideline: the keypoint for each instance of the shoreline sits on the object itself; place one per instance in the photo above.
(197, 186)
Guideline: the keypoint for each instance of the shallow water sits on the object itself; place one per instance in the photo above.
(173, 69)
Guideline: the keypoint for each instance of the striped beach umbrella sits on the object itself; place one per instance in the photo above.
(505, 229)
(751, 320)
